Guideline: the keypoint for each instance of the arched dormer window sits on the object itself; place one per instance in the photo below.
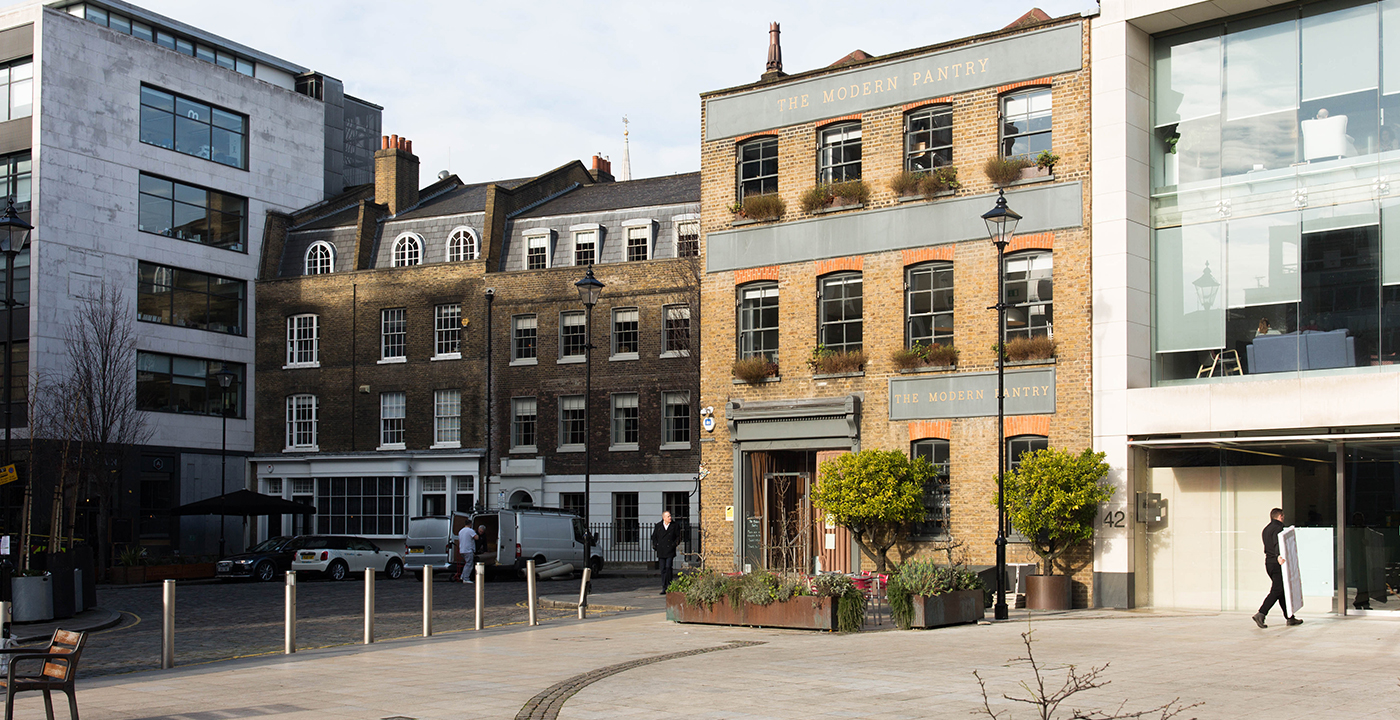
(461, 245)
(408, 250)
(320, 258)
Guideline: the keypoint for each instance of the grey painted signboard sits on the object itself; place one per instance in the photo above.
(987, 64)
(1028, 392)
(1043, 207)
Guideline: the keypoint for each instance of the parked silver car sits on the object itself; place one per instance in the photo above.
(337, 556)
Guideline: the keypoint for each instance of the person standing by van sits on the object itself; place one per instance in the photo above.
(665, 536)
(466, 547)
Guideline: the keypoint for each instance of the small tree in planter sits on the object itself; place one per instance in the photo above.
(1053, 497)
(876, 494)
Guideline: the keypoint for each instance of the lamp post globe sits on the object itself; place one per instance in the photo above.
(1001, 225)
(589, 290)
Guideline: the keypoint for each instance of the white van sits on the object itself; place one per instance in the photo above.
(514, 536)
(430, 542)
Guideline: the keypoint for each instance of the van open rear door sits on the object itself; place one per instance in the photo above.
(496, 544)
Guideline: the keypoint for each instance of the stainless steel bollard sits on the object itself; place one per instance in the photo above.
(289, 641)
(427, 600)
(583, 593)
(369, 605)
(167, 629)
(4, 615)
(530, 583)
(480, 594)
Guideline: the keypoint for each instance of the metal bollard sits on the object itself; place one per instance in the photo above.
(167, 629)
(289, 642)
(583, 593)
(480, 594)
(530, 584)
(427, 600)
(369, 605)
(5, 618)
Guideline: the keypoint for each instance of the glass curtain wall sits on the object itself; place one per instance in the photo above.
(1277, 234)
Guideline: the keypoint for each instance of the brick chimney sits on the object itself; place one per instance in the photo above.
(395, 174)
(602, 169)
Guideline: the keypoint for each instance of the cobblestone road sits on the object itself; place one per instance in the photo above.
(217, 621)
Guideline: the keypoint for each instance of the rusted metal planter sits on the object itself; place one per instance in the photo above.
(1049, 592)
(800, 613)
(951, 608)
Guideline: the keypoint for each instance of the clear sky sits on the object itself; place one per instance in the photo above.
(511, 89)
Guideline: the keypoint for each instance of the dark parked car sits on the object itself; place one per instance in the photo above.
(264, 561)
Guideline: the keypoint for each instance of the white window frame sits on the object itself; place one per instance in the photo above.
(666, 313)
(539, 238)
(295, 353)
(630, 227)
(613, 354)
(329, 258)
(384, 336)
(517, 324)
(613, 406)
(447, 418)
(666, 404)
(296, 404)
(393, 413)
(516, 405)
(567, 402)
(442, 325)
(592, 234)
(566, 319)
(676, 223)
(408, 250)
(462, 244)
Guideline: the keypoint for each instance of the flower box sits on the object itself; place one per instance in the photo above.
(951, 608)
(184, 571)
(805, 612)
(123, 575)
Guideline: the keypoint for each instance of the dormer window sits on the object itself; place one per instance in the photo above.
(408, 250)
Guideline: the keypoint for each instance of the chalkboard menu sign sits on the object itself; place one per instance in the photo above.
(753, 541)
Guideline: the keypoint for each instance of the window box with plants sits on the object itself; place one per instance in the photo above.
(926, 185)
(755, 369)
(1004, 171)
(1029, 350)
(923, 355)
(765, 599)
(923, 594)
(758, 208)
(825, 361)
(836, 196)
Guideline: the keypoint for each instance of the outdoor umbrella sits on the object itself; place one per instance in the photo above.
(244, 503)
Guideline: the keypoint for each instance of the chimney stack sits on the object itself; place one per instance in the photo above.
(602, 169)
(395, 174)
(774, 69)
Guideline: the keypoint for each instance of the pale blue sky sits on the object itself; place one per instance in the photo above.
(497, 90)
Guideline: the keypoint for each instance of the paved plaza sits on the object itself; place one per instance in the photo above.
(636, 664)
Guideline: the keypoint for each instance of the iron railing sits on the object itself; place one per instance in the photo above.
(624, 541)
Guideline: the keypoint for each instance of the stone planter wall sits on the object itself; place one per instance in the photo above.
(953, 608)
(801, 613)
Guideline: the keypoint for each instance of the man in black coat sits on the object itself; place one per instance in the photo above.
(1273, 565)
(665, 536)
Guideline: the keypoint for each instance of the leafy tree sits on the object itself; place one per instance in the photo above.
(1053, 498)
(875, 494)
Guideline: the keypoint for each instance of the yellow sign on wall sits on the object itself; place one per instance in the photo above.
(8, 475)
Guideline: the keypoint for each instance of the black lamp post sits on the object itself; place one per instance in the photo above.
(589, 289)
(226, 379)
(14, 233)
(1001, 225)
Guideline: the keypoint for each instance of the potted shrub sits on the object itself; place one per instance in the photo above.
(766, 599)
(929, 184)
(924, 355)
(1004, 171)
(825, 361)
(1053, 498)
(131, 566)
(760, 208)
(906, 183)
(923, 594)
(755, 369)
(1029, 349)
(1046, 161)
(876, 494)
(835, 195)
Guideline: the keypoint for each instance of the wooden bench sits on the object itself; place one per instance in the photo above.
(55, 668)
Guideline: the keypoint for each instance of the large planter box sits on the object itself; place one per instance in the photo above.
(952, 608)
(32, 598)
(188, 571)
(1049, 592)
(122, 575)
(801, 613)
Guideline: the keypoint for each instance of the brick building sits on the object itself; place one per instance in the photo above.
(891, 269)
(424, 349)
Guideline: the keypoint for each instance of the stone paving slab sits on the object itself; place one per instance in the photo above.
(85, 621)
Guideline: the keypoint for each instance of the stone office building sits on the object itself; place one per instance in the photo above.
(424, 350)
(891, 271)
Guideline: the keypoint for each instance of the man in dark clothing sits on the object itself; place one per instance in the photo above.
(1273, 565)
(665, 536)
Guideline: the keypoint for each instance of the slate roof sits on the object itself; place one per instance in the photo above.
(459, 201)
(341, 218)
(665, 190)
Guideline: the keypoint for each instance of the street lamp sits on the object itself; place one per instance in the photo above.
(1001, 225)
(14, 233)
(589, 289)
(226, 379)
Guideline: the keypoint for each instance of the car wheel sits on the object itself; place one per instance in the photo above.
(338, 570)
(264, 571)
(596, 564)
(394, 569)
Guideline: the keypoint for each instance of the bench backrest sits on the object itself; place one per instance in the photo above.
(64, 642)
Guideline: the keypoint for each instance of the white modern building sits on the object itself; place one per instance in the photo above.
(147, 154)
(1246, 193)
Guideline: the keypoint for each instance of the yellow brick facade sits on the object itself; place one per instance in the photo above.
(973, 441)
